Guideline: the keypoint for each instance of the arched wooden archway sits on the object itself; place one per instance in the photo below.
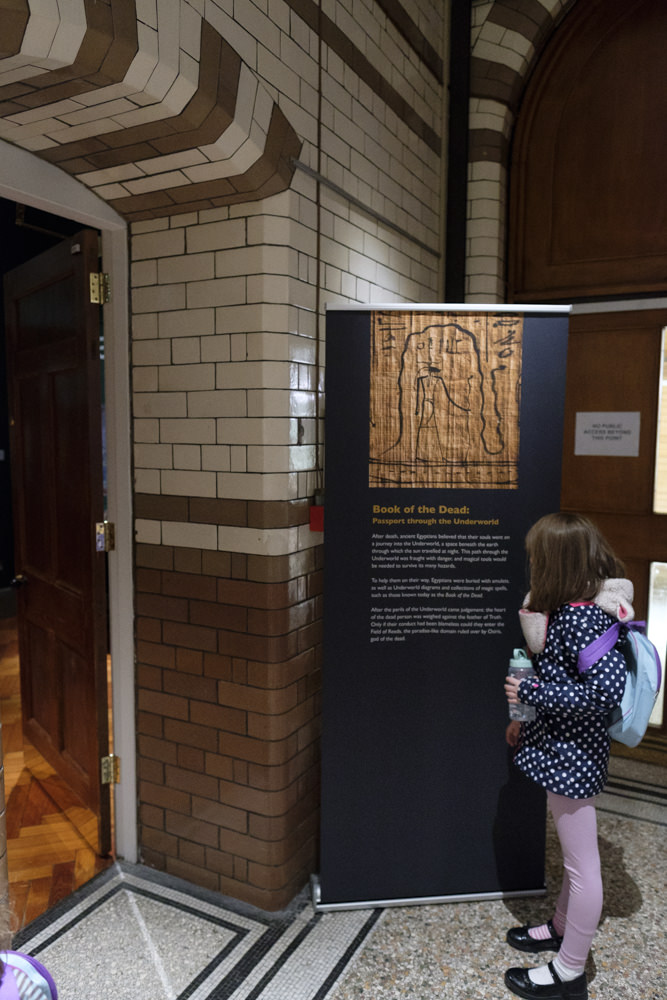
(587, 215)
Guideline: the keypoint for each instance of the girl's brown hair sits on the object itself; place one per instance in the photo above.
(569, 559)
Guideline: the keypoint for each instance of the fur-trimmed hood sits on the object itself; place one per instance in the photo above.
(615, 596)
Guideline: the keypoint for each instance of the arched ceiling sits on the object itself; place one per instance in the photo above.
(146, 104)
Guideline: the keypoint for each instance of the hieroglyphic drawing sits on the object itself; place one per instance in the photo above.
(444, 399)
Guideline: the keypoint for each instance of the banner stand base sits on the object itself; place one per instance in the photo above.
(373, 904)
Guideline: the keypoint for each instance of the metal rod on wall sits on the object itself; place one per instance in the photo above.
(325, 182)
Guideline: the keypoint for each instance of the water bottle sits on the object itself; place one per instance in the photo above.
(521, 667)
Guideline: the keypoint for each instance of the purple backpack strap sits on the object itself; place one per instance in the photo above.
(8, 988)
(599, 647)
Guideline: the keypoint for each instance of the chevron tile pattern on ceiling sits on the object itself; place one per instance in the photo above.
(149, 105)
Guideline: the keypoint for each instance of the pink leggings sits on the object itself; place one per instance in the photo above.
(580, 901)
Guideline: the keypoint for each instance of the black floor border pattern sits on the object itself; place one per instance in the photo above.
(161, 880)
(92, 896)
(628, 815)
(347, 958)
(268, 936)
(322, 991)
(237, 975)
(644, 792)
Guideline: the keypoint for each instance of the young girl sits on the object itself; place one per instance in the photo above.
(577, 591)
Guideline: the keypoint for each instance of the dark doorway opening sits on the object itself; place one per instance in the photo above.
(49, 851)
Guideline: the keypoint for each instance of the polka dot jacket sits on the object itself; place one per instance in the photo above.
(566, 748)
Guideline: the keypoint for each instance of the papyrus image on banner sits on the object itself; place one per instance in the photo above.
(445, 390)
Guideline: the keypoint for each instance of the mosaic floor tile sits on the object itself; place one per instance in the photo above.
(133, 933)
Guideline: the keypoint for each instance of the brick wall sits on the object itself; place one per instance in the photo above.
(228, 712)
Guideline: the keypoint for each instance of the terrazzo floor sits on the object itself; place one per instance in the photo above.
(134, 933)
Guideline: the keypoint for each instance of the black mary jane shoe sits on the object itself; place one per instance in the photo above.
(520, 939)
(520, 983)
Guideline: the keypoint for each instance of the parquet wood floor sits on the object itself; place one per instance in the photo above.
(47, 856)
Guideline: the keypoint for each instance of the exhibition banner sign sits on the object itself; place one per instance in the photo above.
(443, 446)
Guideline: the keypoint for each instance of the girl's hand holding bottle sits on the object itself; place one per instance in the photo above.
(512, 689)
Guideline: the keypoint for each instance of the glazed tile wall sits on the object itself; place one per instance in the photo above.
(228, 359)
(228, 585)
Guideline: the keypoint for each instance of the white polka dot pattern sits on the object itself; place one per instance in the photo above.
(566, 748)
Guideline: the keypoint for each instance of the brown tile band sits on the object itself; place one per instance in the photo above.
(269, 175)
(232, 513)
(495, 82)
(484, 144)
(526, 17)
(415, 38)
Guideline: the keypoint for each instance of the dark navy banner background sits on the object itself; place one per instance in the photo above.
(419, 796)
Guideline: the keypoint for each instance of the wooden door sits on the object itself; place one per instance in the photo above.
(615, 366)
(53, 353)
(587, 211)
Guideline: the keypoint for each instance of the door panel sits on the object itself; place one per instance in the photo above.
(614, 365)
(41, 692)
(587, 216)
(56, 446)
(584, 225)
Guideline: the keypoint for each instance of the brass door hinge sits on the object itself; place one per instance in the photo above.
(110, 772)
(100, 288)
(105, 536)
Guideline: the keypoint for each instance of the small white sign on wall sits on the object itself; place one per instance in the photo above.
(607, 434)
